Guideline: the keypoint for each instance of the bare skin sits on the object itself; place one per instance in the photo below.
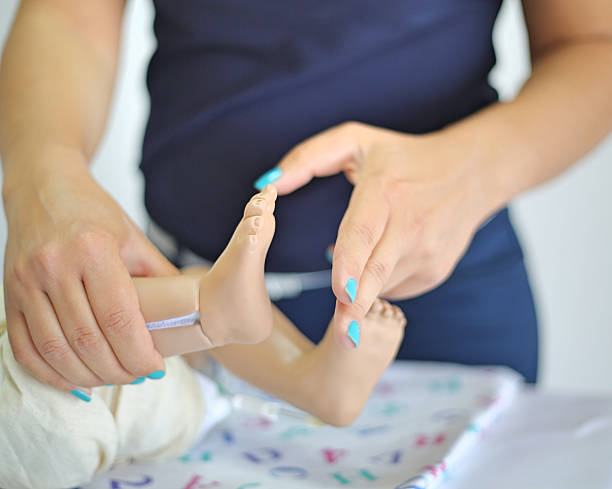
(231, 297)
(328, 380)
(435, 190)
(71, 247)
(331, 380)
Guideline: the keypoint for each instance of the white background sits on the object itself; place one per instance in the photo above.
(565, 226)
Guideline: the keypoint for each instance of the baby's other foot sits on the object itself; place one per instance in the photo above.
(346, 376)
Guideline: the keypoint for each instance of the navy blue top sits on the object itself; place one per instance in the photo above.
(235, 84)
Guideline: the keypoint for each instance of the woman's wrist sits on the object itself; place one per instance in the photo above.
(495, 160)
(35, 166)
(459, 166)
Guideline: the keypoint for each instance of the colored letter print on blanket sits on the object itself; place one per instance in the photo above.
(420, 422)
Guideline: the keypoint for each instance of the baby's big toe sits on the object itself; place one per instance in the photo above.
(377, 307)
(261, 202)
(256, 206)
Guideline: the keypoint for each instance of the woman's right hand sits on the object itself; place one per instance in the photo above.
(72, 311)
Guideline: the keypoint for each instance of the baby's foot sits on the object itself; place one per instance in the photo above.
(234, 304)
(346, 376)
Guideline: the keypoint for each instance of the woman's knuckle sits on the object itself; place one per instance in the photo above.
(364, 233)
(378, 270)
(54, 348)
(46, 259)
(90, 242)
(86, 339)
(118, 321)
(20, 275)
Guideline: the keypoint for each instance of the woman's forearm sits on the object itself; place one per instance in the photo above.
(56, 81)
(564, 109)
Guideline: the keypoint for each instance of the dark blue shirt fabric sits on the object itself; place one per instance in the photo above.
(234, 85)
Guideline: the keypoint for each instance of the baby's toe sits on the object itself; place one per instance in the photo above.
(252, 225)
(398, 316)
(255, 207)
(387, 310)
(261, 202)
(377, 307)
(246, 236)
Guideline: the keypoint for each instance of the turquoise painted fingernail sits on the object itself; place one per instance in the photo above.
(140, 380)
(353, 332)
(329, 255)
(351, 289)
(108, 384)
(158, 374)
(81, 395)
(269, 177)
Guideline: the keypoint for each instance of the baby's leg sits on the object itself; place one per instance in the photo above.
(50, 439)
(231, 297)
(329, 380)
(345, 377)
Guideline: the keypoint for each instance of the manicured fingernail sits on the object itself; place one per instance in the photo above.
(329, 254)
(158, 374)
(351, 288)
(140, 380)
(269, 177)
(353, 332)
(108, 384)
(81, 395)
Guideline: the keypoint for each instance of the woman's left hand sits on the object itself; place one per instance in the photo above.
(416, 204)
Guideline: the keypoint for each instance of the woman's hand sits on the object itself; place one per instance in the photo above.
(73, 316)
(414, 209)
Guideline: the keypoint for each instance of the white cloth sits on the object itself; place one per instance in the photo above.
(50, 439)
(218, 406)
